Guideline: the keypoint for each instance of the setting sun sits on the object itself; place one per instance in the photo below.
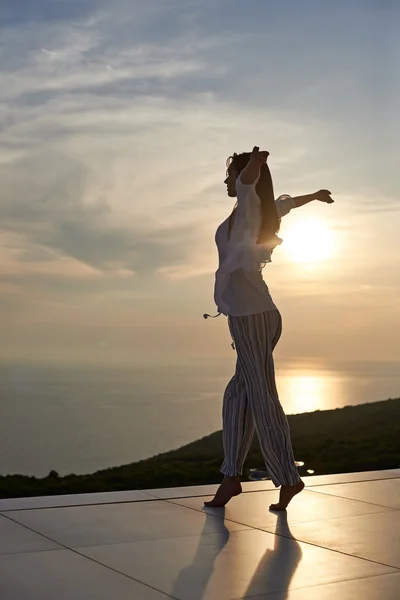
(309, 240)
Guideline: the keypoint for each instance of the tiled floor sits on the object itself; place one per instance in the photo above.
(338, 539)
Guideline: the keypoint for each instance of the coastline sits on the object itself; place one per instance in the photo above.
(363, 437)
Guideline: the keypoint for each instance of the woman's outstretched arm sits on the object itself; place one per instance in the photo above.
(321, 195)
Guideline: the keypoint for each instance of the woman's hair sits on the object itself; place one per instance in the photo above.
(270, 223)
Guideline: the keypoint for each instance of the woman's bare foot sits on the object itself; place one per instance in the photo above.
(229, 487)
(286, 494)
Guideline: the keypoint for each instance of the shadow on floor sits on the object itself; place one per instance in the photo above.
(276, 568)
(273, 573)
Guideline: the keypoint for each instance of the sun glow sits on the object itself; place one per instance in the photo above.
(309, 240)
(307, 390)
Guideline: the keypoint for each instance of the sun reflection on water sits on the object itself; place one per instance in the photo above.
(306, 390)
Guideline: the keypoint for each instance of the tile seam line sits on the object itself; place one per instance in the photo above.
(169, 537)
(306, 489)
(249, 527)
(149, 499)
(272, 489)
(355, 500)
(369, 560)
(386, 509)
(68, 548)
(153, 497)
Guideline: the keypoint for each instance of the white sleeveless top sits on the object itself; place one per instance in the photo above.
(239, 285)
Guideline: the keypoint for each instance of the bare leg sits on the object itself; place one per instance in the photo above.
(229, 487)
(286, 494)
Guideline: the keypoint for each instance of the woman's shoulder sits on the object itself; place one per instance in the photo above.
(284, 205)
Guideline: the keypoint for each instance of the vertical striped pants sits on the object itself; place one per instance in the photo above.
(251, 403)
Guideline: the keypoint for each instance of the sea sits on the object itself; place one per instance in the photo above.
(82, 418)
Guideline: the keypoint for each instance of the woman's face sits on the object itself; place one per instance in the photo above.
(231, 176)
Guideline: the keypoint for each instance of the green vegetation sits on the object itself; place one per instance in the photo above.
(354, 438)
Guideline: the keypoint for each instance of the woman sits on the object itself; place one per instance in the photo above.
(251, 404)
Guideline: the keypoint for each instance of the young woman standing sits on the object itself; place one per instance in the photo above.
(251, 404)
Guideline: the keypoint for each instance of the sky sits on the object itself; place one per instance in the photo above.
(115, 123)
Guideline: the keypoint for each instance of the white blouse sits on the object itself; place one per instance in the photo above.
(239, 285)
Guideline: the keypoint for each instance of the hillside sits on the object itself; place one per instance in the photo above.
(355, 438)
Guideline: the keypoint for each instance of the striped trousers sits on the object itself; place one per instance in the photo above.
(251, 403)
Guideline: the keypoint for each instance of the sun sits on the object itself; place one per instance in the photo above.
(309, 240)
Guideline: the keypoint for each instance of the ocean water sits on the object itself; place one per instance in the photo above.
(78, 419)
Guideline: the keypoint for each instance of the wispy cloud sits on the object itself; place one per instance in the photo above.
(97, 159)
(115, 122)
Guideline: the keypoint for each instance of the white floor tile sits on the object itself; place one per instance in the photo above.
(385, 492)
(16, 538)
(231, 564)
(7, 504)
(382, 587)
(65, 575)
(111, 523)
(252, 509)
(374, 537)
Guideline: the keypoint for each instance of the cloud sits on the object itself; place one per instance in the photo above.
(76, 156)
(115, 123)
(51, 206)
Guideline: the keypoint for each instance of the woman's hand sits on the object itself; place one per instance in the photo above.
(251, 172)
(324, 196)
(257, 157)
